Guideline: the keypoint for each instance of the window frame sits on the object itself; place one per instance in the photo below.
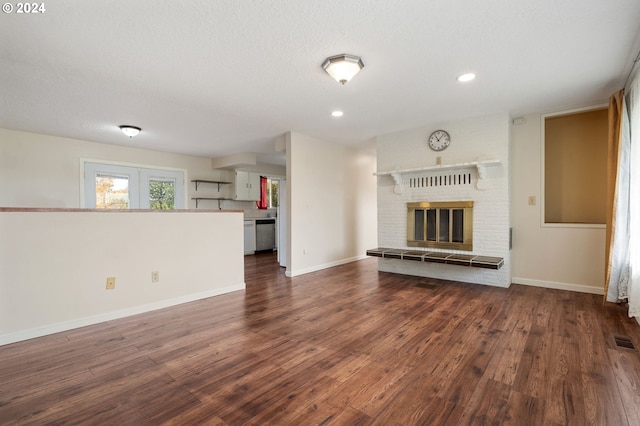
(140, 174)
(270, 192)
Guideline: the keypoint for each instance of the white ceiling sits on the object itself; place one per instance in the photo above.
(212, 78)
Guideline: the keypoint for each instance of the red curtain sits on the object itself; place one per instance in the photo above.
(264, 202)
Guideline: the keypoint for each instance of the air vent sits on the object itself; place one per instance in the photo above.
(624, 342)
(441, 180)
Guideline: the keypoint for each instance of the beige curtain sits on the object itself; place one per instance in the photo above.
(615, 124)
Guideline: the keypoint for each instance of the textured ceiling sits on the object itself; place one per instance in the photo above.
(218, 77)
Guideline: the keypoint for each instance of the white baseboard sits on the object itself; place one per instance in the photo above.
(558, 286)
(18, 336)
(297, 272)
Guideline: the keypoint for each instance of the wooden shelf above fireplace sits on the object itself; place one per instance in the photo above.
(480, 165)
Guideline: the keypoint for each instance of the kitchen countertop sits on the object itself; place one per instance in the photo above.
(77, 210)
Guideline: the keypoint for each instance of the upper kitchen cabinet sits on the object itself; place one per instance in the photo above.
(247, 185)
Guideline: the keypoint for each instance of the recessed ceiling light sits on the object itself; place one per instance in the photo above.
(337, 113)
(466, 77)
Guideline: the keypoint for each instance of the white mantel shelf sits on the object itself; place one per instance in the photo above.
(477, 164)
(480, 165)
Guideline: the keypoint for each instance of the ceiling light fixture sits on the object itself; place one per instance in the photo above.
(130, 131)
(343, 67)
(466, 77)
(337, 113)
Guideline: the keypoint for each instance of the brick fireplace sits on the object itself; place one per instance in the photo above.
(474, 169)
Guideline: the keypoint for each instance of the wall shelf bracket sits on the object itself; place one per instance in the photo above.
(397, 179)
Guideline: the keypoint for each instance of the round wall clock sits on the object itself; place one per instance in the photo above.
(439, 140)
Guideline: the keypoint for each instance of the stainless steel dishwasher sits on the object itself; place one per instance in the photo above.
(265, 234)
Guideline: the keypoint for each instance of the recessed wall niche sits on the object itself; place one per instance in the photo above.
(575, 167)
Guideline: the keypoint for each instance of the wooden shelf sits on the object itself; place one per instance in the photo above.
(210, 198)
(214, 182)
(199, 181)
(480, 165)
(437, 167)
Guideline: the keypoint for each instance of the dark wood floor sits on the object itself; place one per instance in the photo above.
(348, 345)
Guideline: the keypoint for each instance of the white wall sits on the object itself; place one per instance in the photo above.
(44, 171)
(471, 138)
(54, 265)
(557, 257)
(332, 203)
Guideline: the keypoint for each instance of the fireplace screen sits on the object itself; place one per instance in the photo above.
(446, 225)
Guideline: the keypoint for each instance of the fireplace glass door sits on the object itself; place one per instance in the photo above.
(440, 225)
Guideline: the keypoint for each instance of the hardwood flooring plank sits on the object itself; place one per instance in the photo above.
(626, 368)
(412, 403)
(381, 388)
(248, 395)
(329, 415)
(96, 391)
(564, 403)
(462, 384)
(199, 415)
(523, 410)
(308, 396)
(487, 404)
(517, 311)
(435, 412)
(503, 366)
(602, 402)
(20, 403)
(148, 402)
(73, 357)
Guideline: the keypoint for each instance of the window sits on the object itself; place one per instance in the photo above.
(162, 194)
(112, 191)
(112, 186)
(161, 189)
(272, 192)
(575, 167)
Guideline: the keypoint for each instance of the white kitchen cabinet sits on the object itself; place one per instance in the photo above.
(247, 186)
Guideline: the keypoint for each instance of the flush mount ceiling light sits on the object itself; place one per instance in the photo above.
(130, 131)
(466, 77)
(337, 113)
(342, 67)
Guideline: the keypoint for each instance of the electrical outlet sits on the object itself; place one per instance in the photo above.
(155, 276)
(111, 283)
